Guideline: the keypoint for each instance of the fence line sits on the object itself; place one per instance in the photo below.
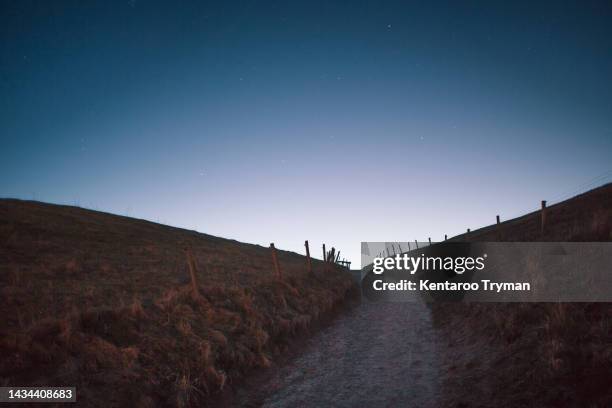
(543, 221)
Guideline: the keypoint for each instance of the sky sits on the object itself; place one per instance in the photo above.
(336, 122)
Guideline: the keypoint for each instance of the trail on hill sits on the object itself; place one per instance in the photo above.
(376, 355)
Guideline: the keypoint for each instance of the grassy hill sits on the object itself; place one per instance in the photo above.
(533, 354)
(586, 217)
(106, 303)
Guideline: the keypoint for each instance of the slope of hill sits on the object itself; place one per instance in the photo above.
(106, 303)
(586, 217)
(533, 354)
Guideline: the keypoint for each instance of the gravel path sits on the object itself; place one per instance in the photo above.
(376, 355)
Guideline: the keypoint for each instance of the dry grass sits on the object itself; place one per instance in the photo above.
(535, 354)
(108, 304)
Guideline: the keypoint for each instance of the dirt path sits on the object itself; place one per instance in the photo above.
(376, 355)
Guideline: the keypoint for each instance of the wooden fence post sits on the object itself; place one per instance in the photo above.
(191, 264)
(416, 243)
(275, 261)
(408, 246)
(332, 255)
(445, 237)
(324, 254)
(543, 215)
(308, 256)
(429, 240)
(468, 230)
(497, 228)
(337, 257)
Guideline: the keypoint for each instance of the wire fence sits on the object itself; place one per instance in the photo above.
(384, 249)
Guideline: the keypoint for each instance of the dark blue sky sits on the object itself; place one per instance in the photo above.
(285, 121)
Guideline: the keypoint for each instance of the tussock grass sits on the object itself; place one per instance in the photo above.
(108, 304)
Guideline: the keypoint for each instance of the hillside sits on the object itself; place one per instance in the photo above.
(533, 354)
(106, 303)
(586, 217)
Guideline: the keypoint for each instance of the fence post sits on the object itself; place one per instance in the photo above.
(332, 255)
(429, 240)
(337, 257)
(275, 261)
(543, 215)
(445, 237)
(308, 256)
(497, 228)
(408, 246)
(468, 230)
(416, 243)
(191, 264)
(324, 254)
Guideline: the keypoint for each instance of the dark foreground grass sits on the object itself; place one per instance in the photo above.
(105, 303)
(533, 354)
